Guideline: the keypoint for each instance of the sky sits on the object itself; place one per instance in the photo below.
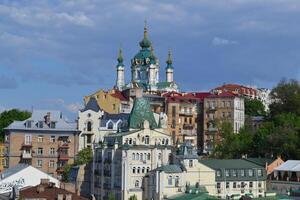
(53, 52)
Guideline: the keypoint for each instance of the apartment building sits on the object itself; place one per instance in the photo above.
(112, 101)
(2, 156)
(237, 177)
(45, 141)
(183, 117)
(220, 108)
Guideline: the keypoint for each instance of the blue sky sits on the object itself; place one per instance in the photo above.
(54, 52)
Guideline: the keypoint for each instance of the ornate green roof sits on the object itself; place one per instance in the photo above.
(140, 112)
(145, 43)
(162, 85)
(120, 58)
(169, 61)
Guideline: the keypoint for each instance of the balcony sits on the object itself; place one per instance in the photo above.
(63, 156)
(187, 126)
(188, 113)
(212, 108)
(212, 129)
(27, 145)
(189, 132)
(63, 145)
(26, 155)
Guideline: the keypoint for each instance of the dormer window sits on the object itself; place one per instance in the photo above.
(28, 124)
(52, 124)
(41, 124)
(110, 125)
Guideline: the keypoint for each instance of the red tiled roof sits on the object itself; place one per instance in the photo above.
(222, 95)
(49, 193)
(119, 95)
(201, 95)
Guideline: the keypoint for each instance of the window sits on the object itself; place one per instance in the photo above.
(170, 180)
(143, 170)
(51, 163)
(88, 139)
(40, 138)
(227, 184)
(133, 156)
(110, 125)
(89, 126)
(52, 151)
(259, 184)
(52, 125)
(133, 170)
(28, 124)
(114, 106)
(52, 138)
(137, 156)
(250, 184)
(27, 139)
(259, 172)
(242, 172)
(173, 111)
(148, 169)
(40, 151)
(148, 156)
(41, 124)
(141, 157)
(243, 184)
(39, 163)
(218, 173)
(138, 170)
(234, 185)
(190, 163)
(177, 181)
(218, 185)
(234, 172)
(227, 172)
(6, 138)
(130, 141)
(147, 139)
(137, 183)
(250, 172)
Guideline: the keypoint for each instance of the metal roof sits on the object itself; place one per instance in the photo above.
(290, 165)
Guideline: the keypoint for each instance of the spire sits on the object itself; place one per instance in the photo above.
(169, 60)
(120, 58)
(152, 56)
(145, 43)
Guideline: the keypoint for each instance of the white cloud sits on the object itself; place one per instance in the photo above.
(74, 107)
(217, 41)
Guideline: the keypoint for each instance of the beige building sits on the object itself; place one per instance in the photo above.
(45, 141)
(112, 101)
(219, 108)
(183, 117)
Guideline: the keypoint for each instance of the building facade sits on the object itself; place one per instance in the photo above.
(220, 108)
(45, 141)
(237, 177)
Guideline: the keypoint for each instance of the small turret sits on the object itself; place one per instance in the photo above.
(120, 71)
(169, 68)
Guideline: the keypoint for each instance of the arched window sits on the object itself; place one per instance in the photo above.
(141, 158)
(138, 170)
(133, 156)
(89, 126)
(167, 141)
(137, 156)
(133, 170)
(143, 170)
(148, 156)
(170, 180)
(163, 141)
(130, 140)
(147, 140)
(145, 156)
(137, 183)
(177, 181)
(148, 169)
(110, 125)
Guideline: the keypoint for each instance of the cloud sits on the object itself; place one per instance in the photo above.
(8, 82)
(60, 103)
(217, 41)
(74, 107)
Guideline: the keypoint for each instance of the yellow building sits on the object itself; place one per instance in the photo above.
(111, 101)
(2, 154)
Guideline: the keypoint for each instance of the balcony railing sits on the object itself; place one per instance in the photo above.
(182, 112)
(188, 126)
(189, 132)
(62, 156)
(63, 145)
(27, 144)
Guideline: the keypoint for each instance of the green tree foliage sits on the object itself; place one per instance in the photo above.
(66, 172)
(111, 196)
(254, 107)
(133, 197)
(7, 117)
(279, 135)
(84, 156)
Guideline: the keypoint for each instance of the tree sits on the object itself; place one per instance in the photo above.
(7, 117)
(286, 98)
(84, 156)
(111, 196)
(66, 172)
(133, 197)
(254, 107)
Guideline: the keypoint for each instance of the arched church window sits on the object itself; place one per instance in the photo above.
(89, 126)
(137, 183)
(110, 125)
(147, 139)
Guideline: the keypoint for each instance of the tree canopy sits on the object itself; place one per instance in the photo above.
(7, 117)
(84, 156)
(279, 134)
(254, 107)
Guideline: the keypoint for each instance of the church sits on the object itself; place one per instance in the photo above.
(145, 70)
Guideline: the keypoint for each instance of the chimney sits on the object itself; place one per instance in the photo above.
(48, 116)
(60, 197)
(68, 196)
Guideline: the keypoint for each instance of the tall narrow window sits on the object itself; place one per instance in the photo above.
(170, 180)
(89, 126)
